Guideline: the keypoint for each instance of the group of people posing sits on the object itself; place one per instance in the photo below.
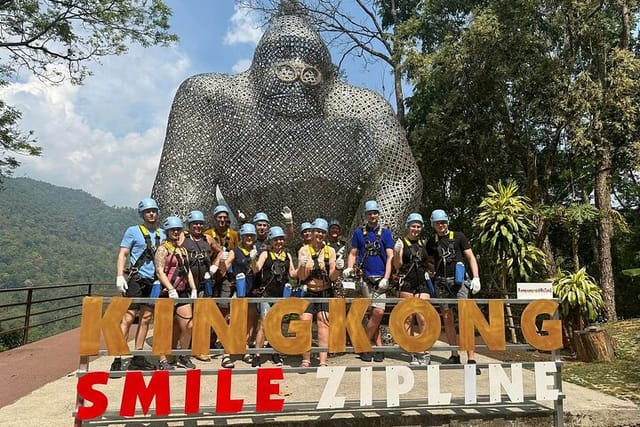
(178, 261)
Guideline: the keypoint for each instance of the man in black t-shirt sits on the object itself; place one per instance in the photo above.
(447, 248)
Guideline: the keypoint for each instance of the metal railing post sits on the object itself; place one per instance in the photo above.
(27, 316)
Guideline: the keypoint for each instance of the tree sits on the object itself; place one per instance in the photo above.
(506, 226)
(55, 40)
(369, 30)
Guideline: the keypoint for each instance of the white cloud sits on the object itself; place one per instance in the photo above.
(106, 136)
(242, 65)
(245, 27)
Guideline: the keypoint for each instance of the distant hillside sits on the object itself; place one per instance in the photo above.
(51, 234)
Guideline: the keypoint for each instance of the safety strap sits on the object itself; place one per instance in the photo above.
(149, 250)
(179, 253)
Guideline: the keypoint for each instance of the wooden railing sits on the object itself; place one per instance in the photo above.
(32, 308)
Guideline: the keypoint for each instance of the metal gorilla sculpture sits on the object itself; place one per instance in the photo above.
(286, 132)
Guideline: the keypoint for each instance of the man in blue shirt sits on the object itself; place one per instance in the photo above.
(138, 247)
(371, 253)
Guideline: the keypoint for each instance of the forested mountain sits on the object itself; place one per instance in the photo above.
(51, 234)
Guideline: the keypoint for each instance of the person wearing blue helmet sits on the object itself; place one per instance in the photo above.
(137, 249)
(204, 253)
(371, 254)
(306, 233)
(239, 262)
(448, 249)
(317, 271)
(262, 224)
(275, 268)
(172, 268)
(410, 261)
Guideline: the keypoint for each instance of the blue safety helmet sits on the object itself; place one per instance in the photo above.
(219, 209)
(439, 215)
(247, 229)
(147, 203)
(321, 224)
(195, 216)
(275, 232)
(260, 216)
(371, 205)
(305, 226)
(172, 222)
(334, 222)
(414, 217)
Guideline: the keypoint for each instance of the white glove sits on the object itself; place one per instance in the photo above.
(173, 294)
(383, 284)
(303, 260)
(475, 285)
(398, 246)
(213, 269)
(241, 216)
(121, 284)
(347, 272)
(339, 263)
(225, 255)
(287, 215)
(194, 293)
(253, 254)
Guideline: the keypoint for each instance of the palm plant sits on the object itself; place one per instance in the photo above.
(580, 299)
(506, 227)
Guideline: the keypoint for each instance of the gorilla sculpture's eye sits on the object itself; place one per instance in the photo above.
(289, 73)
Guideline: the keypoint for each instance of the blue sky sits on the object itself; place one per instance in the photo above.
(106, 136)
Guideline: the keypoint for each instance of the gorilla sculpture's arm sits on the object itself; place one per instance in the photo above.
(187, 173)
(396, 183)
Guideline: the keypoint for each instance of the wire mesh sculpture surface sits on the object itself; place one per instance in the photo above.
(286, 132)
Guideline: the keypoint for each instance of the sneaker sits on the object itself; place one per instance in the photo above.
(185, 362)
(366, 357)
(165, 366)
(116, 365)
(414, 360)
(453, 360)
(378, 356)
(276, 359)
(140, 363)
(473, 362)
(256, 362)
(425, 359)
(203, 357)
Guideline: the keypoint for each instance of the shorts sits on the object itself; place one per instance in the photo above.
(138, 287)
(225, 290)
(264, 308)
(317, 307)
(415, 289)
(446, 288)
(373, 292)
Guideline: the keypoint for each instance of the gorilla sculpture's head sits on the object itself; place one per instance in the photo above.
(291, 69)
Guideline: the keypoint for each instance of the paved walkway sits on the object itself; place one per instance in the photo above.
(38, 389)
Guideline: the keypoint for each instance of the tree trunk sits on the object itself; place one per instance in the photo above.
(605, 231)
(510, 323)
(593, 345)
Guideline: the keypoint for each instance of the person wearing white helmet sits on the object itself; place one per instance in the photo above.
(410, 261)
(137, 248)
(275, 268)
(317, 271)
(172, 268)
(371, 253)
(239, 262)
(448, 249)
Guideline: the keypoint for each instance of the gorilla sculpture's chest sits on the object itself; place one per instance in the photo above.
(315, 161)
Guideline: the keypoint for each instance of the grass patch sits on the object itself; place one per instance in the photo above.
(620, 378)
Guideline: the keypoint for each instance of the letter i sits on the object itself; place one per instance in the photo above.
(192, 392)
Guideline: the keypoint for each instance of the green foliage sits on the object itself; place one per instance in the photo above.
(50, 234)
(505, 226)
(580, 297)
(54, 40)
